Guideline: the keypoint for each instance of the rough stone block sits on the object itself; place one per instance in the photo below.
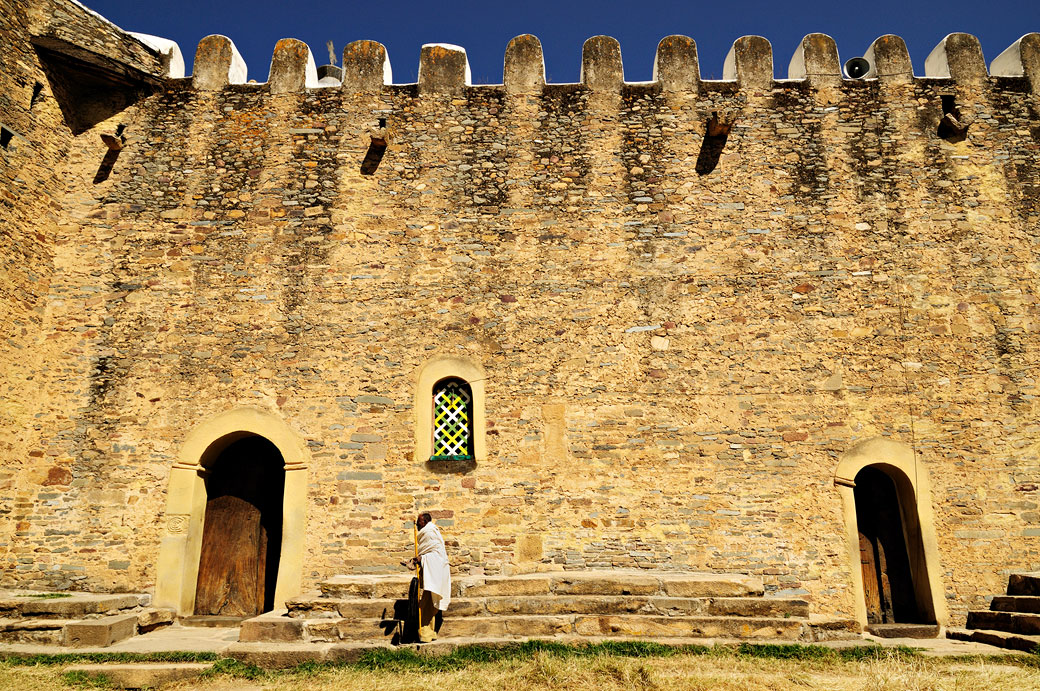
(1024, 584)
(958, 56)
(443, 68)
(524, 70)
(145, 675)
(816, 60)
(292, 67)
(601, 68)
(605, 583)
(562, 604)
(43, 631)
(750, 62)
(151, 619)
(904, 630)
(348, 587)
(758, 607)
(366, 67)
(100, 633)
(1016, 603)
(1012, 622)
(676, 67)
(505, 585)
(711, 585)
(824, 628)
(278, 655)
(366, 629)
(217, 64)
(266, 628)
(890, 59)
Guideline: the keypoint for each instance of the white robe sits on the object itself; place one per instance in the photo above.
(436, 572)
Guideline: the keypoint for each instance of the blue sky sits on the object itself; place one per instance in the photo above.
(484, 28)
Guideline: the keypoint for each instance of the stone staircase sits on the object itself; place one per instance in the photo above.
(1012, 621)
(77, 620)
(354, 613)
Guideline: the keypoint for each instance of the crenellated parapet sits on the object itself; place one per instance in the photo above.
(444, 68)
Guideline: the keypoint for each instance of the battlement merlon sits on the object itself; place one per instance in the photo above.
(445, 69)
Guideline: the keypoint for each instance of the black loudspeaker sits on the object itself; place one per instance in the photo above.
(858, 68)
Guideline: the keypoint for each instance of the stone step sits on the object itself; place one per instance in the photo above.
(211, 621)
(281, 655)
(606, 582)
(901, 630)
(1012, 622)
(43, 631)
(101, 632)
(1000, 639)
(289, 630)
(1016, 603)
(141, 675)
(1024, 583)
(75, 606)
(558, 604)
(691, 627)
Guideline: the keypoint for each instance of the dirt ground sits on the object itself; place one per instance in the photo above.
(546, 671)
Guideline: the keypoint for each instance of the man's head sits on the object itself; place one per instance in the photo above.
(423, 519)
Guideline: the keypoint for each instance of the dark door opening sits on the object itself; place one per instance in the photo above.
(242, 533)
(885, 557)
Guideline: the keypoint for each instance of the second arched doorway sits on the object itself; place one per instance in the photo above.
(891, 538)
(891, 556)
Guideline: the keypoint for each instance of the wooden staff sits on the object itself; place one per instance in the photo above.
(415, 536)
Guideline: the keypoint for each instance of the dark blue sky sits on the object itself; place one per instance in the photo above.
(484, 28)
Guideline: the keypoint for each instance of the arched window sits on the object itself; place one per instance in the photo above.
(449, 414)
(452, 421)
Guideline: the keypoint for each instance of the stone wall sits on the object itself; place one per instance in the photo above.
(677, 355)
(38, 155)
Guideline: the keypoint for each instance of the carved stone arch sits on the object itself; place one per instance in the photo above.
(429, 374)
(180, 549)
(913, 489)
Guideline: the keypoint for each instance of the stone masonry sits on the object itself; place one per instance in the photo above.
(682, 332)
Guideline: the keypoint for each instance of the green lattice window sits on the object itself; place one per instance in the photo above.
(452, 421)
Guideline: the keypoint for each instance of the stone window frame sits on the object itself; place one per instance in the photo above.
(429, 375)
(913, 488)
(180, 549)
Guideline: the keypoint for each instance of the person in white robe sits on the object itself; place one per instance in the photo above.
(434, 575)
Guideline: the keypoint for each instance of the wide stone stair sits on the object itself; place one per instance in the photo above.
(78, 620)
(354, 613)
(1012, 621)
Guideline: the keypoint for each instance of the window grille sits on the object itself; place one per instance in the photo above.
(452, 421)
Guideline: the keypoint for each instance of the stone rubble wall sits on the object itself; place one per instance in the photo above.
(675, 361)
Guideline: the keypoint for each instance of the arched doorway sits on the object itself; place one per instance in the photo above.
(890, 531)
(180, 549)
(242, 528)
(890, 552)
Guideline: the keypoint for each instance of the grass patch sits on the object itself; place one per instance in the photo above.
(780, 651)
(47, 596)
(402, 659)
(83, 680)
(18, 660)
(240, 670)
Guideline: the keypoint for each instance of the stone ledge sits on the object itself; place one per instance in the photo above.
(141, 675)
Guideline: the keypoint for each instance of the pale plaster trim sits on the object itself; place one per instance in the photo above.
(913, 488)
(181, 547)
(429, 374)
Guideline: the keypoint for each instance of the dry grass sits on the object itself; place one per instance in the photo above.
(545, 670)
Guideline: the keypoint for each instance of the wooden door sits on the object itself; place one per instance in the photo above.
(871, 591)
(234, 554)
(242, 532)
(888, 585)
